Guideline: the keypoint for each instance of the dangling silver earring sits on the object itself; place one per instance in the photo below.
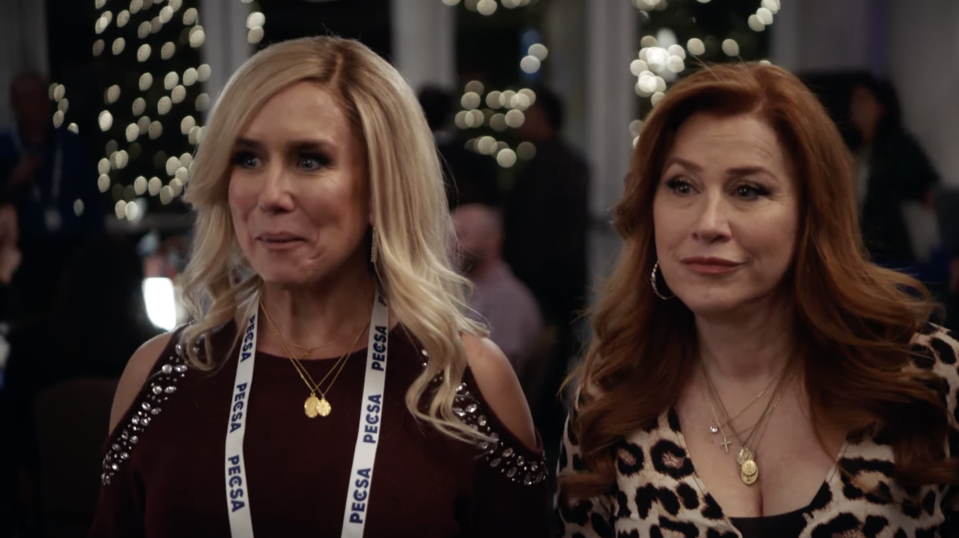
(375, 248)
(652, 282)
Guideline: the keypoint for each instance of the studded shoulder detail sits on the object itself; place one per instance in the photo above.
(158, 388)
(498, 453)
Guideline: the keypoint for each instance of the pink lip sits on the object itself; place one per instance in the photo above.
(709, 265)
(279, 241)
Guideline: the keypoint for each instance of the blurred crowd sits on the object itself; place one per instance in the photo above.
(71, 314)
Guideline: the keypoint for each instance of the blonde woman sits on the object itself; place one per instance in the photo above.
(375, 407)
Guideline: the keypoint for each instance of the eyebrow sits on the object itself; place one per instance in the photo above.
(295, 146)
(732, 172)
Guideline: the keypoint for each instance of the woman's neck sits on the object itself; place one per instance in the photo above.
(748, 348)
(328, 314)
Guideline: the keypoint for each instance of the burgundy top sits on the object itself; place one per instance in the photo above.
(163, 474)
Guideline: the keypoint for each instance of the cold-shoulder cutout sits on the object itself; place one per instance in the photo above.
(500, 388)
(135, 375)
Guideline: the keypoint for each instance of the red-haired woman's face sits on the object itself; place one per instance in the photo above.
(726, 214)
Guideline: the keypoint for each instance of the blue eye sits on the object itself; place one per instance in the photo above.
(245, 159)
(313, 162)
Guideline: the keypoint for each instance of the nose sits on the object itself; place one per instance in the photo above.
(276, 194)
(712, 224)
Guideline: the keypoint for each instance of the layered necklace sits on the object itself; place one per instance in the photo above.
(746, 457)
(313, 406)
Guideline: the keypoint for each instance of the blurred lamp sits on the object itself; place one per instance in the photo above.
(160, 301)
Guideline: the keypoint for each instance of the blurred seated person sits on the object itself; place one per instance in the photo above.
(470, 177)
(498, 296)
(44, 172)
(98, 319)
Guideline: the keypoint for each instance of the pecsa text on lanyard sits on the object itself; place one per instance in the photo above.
(367, 440)
(368, 434)
(241, 526)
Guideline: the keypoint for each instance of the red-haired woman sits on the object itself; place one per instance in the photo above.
(752, 373)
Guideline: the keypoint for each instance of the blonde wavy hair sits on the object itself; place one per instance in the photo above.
(408, 209)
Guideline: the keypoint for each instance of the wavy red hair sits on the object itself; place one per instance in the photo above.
(855, 319)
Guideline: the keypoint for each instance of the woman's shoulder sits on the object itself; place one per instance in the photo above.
(489, 376)
(935, 348)
(136, 372)
(150, 378)
(155, 355)
(497, 382)
(490, 400)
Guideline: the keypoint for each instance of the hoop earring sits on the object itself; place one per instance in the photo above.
(374, 248)
(652, 282)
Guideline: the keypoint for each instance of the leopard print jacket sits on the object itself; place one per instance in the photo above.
(657, 492)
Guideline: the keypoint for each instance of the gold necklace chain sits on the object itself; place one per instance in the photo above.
(718, 426)
(308, 350)
(311, 384)
(726, 421)
(313, 406)
(746, 458)
(714, 398)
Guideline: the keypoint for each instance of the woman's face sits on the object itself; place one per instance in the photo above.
(865, 111)
(9, 231)
(726, 214)
(298, 193)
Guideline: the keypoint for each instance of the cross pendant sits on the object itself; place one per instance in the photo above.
(725, 444)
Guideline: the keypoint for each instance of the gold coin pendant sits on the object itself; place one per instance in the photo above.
(323, 407)
(744, 455)
(311, 406)
(749, 472)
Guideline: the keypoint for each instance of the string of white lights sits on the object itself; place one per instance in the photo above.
(128, 206)
(661, 59)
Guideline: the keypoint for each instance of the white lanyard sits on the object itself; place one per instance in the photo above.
(367, 436)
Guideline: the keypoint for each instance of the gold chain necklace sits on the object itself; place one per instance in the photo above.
(313, 406)
(308, 350)
(746, 458)
(715, 428)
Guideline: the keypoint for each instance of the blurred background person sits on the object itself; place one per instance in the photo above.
(892, 169)
(470, 177)
(9, 262)
(74, 355)
(500, 299)
(10, 258)
(546, 215)
(44, 172)
(546, 221)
